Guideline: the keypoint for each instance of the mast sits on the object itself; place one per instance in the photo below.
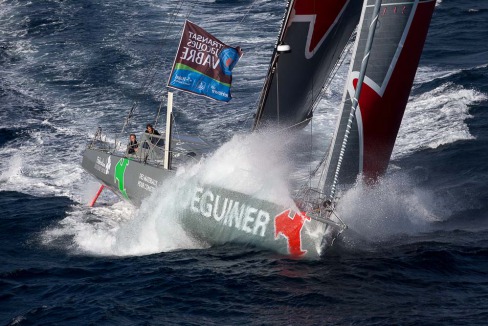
(272, 71)
(169, 131)
(355, 100)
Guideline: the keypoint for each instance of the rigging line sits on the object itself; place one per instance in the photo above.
(311, 154)
(146, 83)
(190, 11)
(311, 121)
(355, 100)
(328, 152)
(277, 94)
(245, 15)
(272, 67)
(335, 70)
(155, 67)
(164, 61)
(312, 88)
(175, 127)
(290, 127)
(159, 112)
(247, 12)
(344, 55)
(161, 63)
(258, 100)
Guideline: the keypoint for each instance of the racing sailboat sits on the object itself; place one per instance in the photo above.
(311, 42)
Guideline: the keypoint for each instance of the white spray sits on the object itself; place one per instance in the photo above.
(391, 208)
(255, 164)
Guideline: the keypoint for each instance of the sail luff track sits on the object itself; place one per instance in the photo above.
(378, 109)
(355, 102)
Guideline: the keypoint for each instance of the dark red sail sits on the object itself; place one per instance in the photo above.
(396, 49)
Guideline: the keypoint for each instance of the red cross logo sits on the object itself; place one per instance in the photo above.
(291, 228)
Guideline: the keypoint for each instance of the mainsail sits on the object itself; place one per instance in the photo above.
(395, 54)
(317, 32)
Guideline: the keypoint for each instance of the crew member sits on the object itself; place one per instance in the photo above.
(154, 140)
(133, 146)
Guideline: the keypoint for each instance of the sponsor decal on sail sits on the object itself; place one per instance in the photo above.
(203, 64)
(322, 17)
(386, 87)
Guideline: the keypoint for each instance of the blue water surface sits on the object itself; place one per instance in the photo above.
(67, 67)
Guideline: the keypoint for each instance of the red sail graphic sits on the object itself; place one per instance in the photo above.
(323, 14)
(393, 60)
(382, 115)
(317, 32)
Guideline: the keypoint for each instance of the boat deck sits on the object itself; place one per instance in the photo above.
(150, 150)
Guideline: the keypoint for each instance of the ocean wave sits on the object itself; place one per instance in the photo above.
(76, 71)
(7, 135)
(436, 118)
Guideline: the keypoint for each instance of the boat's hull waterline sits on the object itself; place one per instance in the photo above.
(213, 214)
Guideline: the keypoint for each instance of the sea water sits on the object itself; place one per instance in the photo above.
(416, 250)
